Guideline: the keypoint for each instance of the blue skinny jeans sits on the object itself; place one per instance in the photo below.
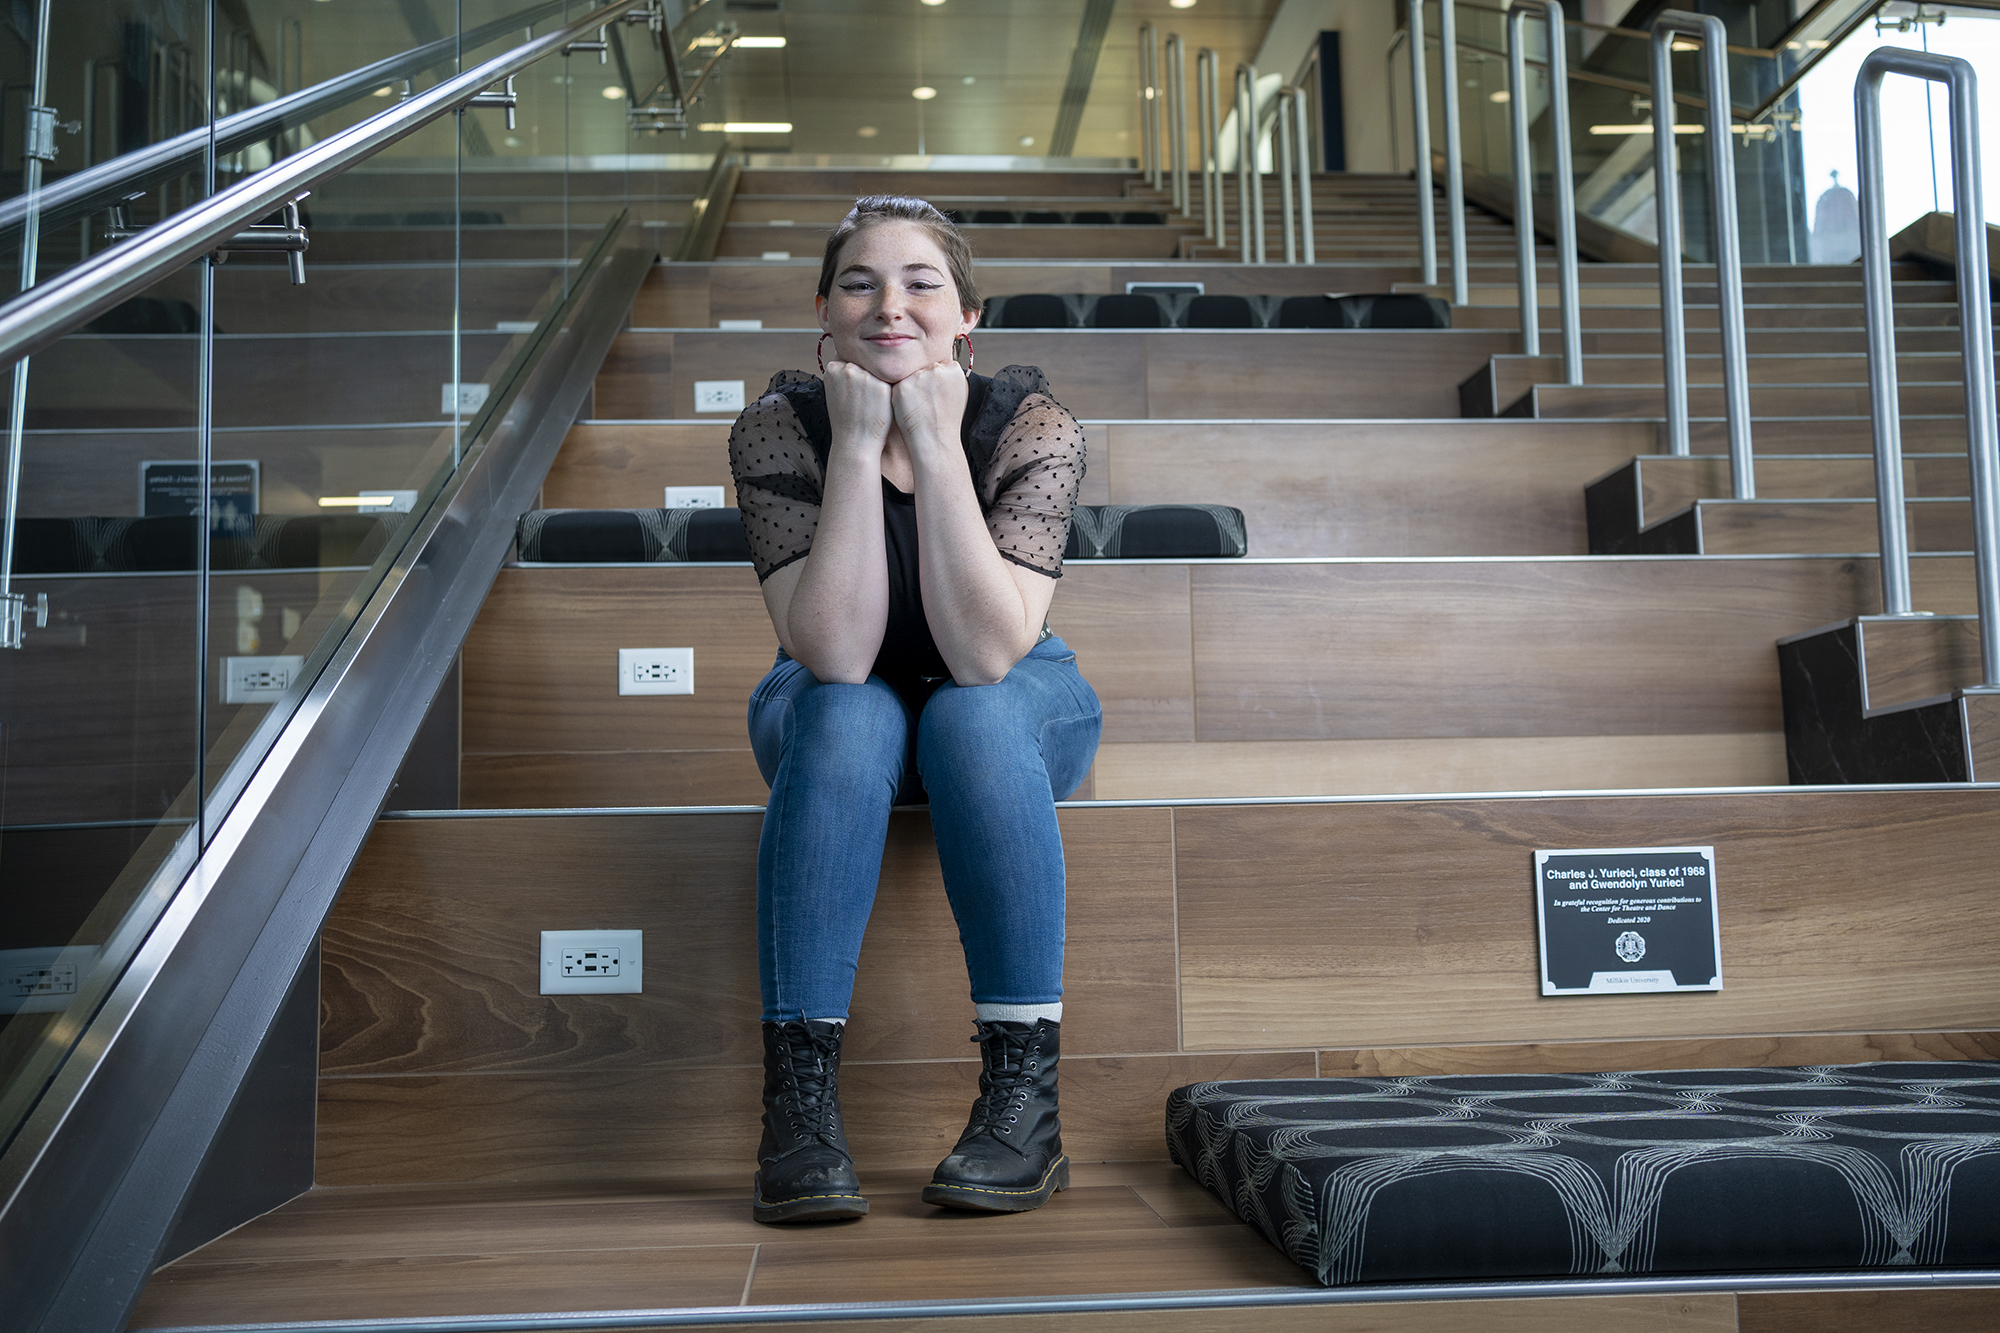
(994, 759)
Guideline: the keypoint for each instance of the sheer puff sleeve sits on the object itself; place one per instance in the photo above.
(1029, 489)
(779, 482)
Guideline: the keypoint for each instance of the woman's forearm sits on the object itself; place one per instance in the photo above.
(840, 605)
(978, 615)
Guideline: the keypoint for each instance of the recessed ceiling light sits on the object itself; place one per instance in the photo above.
(1181, 4)
(761, 43)
(613, 94)
(923, 94)
(868, 131)
(933, 3)
(1027, 141)
(746, 127)
(1500, 96)
(968, 79)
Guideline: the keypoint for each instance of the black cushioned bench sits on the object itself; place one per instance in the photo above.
(668, 536)
(1440, 1178)
(1186, 310)
(121, 545)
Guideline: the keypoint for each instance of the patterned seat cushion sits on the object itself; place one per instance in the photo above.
(657, 536)
(1445, 1178)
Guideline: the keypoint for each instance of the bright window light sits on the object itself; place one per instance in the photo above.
(746, 127)
(760, 43)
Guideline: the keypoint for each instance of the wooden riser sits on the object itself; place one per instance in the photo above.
(1706, 400)
(823, 211)
(780, 292)
(1646, 316)
(1200, 939)
(854, 182)
(89, 382)
(1785, 527)
(994, 242)
(1670, 484)
(1376, 651)
(1780, 292)
(1331, 373)
(1514, 375)
(1392, 488)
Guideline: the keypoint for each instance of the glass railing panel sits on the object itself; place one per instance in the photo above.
(101, 708)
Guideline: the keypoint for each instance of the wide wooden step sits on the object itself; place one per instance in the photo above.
(466, 1122)
(1706, 400)
(1232, 652)
(1377, 488)
(1107, 373)
(997, 241)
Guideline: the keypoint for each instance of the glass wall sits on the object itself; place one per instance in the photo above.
(1791, 89)
(214, 476)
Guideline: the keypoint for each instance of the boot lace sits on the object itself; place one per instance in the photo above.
(810, 1081)
(1012, 1067)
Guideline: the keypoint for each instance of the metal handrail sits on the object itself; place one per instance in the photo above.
(1529, 279)
(1728, 250)
(109, 182)
(1975, 331)
(1177, 119)
(37, 319)
(1454, 151)
(1207, 75)
(1420, 104)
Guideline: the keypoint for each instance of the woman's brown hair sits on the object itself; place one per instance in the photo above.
(901, 208)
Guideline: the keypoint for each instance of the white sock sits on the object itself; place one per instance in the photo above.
(1018, 1013)
(840, 1022)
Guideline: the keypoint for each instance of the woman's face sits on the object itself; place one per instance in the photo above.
(893, 308)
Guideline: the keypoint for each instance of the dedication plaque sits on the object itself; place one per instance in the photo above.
(174, 487)
(1624, 920)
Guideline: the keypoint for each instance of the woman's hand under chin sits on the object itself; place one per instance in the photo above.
(857, 407)
(930, 405)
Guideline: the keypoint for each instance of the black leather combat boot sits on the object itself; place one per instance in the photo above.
(804, 1171)
(1010, 1158)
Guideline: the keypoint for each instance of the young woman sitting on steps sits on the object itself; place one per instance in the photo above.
(907, 520)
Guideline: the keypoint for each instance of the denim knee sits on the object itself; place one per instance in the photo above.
(836, 728)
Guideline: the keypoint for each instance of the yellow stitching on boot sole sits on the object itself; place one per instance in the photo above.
(983, 1189)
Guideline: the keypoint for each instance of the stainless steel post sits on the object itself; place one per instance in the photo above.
(1527, 282)
(40, 129)
(1728, 249)
(1975, 325)
(1207, 67)
(1281, 158)
(1177, 120)
(1149, 100)
(1304, 146)
(1249, 180)
(1563, 178)
(1420, 106)
(1454, 154)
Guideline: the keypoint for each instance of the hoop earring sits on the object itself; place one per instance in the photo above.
(965, 338)
(819, 354)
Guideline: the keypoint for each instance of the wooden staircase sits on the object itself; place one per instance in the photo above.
(1419, 676)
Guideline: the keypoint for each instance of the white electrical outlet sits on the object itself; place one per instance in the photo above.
(592, 962)
(258, 680)
(694, 497)
(656, 671)
(42, 981)
(740, 325)
(468, 398)
(718, 395)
